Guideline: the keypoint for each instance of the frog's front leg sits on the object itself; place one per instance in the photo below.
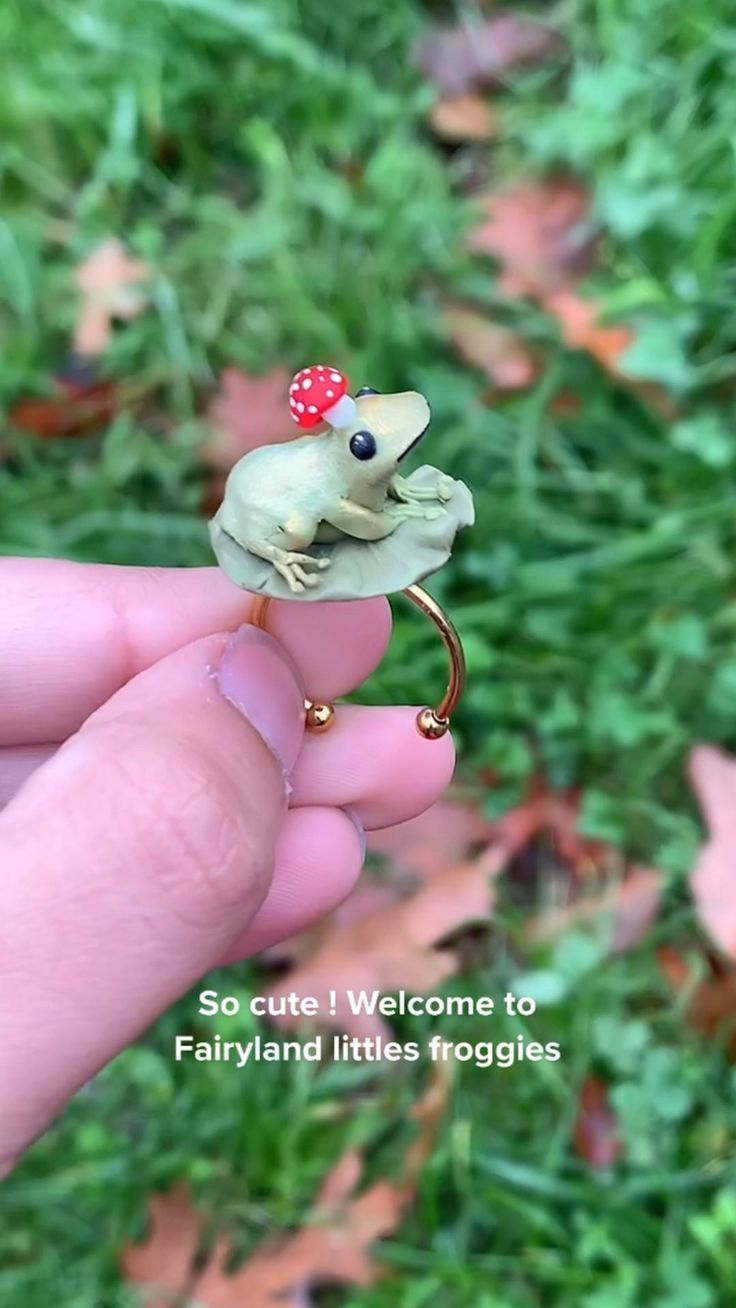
(371, 524)
(359, 522)
(402, 490)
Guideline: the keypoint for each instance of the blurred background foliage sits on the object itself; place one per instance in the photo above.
(274, 164)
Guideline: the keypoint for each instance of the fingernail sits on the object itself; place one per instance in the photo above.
(351, 813)
(259, 679)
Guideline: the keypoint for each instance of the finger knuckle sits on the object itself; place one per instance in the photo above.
(195, 829)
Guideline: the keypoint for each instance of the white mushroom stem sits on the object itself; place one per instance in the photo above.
(342, 413)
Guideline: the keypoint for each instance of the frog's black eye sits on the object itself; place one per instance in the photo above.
(363, 445)
(366, 390)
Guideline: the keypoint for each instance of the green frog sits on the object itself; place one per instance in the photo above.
(281, 499)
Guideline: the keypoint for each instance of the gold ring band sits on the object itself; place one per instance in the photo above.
(432, 723)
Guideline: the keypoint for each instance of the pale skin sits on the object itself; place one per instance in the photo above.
(146, 831)
(280, 499)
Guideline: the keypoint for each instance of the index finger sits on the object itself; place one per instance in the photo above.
(71, 634)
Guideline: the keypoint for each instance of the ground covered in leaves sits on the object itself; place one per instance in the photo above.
(528, 214)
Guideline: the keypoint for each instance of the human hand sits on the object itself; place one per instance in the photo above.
(165, 811)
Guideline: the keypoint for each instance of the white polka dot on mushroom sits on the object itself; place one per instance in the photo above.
(307, 383)
(300, 408)
(312, 408)
(335, 376)
(330, 394)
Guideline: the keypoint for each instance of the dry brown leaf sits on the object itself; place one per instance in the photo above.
(163, 1262)
(334, 1248)
(459, 118)
(109, 281)
(428, 1112)
(341, 1182)
(581, 329)
(246, 412)
(539, 232)
(503, 356)
(713, 775)
(630, 906)
(541, 235)
(443, 834)
(394, 948)
(711, 1007)
(70, 412)
(595, 1134)
(474, 54)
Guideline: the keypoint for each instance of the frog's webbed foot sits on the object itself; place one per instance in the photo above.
(293, 568)
(445, 487)
(402, 490)
(400, 511)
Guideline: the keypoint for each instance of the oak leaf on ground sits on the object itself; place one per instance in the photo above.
(395, 947)
(458, 118)
(334, 1247)
(446, 834)
(709, 990)
(599, 885)
(69, 411)
(247, 411)
(496, 350)
(539, 232)
(110, 284)
(713, 774)
(542, 236)
(472, 53)
(628, 906)
(596, 1132)
(428, 1112)
(581, 328)
(163, 1262)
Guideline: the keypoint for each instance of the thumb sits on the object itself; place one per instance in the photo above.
(133, 860)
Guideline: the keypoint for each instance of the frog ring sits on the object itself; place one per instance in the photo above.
(328, 516)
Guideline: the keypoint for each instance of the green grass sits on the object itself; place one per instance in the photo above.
(271, 160)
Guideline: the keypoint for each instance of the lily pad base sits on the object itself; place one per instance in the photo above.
(359, 569)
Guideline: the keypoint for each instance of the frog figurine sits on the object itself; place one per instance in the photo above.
(328, 516)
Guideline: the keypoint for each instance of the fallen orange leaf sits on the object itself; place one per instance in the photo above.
(67, 413)
(539, 231)
(630, 906)
(395, 947)
(109, 283)
(428, 1112)
(582, 330)
(464, 118)
(446, 834)
(503, 356)
(595, 1134)
(246, 412)
(333, 1248)
(713, 775)
(711, 1006)
(425, 845)
(163, 1262)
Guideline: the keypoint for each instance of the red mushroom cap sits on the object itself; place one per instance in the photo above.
(319, 393)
